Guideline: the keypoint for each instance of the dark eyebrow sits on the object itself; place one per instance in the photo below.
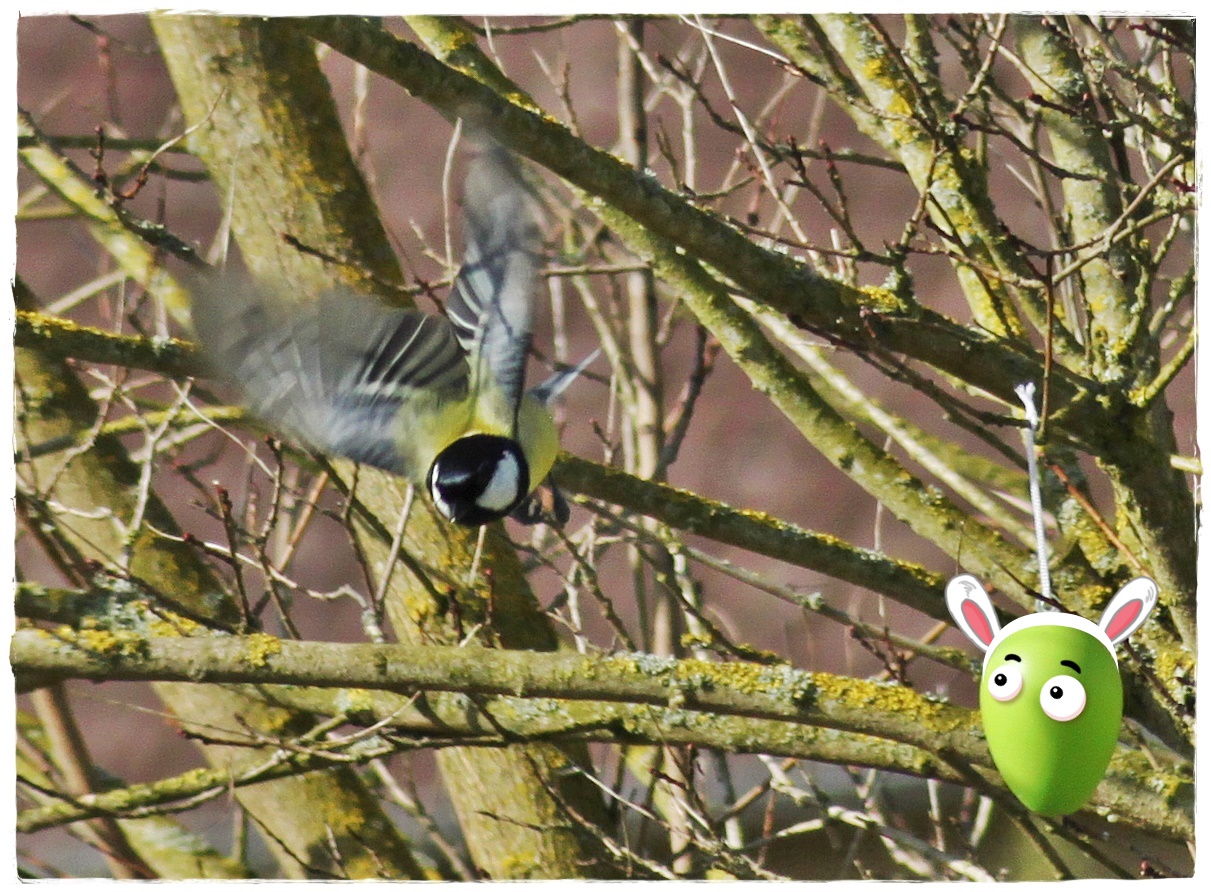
(1071, 665)
(1018, 659)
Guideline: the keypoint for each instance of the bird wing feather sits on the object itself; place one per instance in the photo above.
(490, 304)
(345, 374)
(349, 376)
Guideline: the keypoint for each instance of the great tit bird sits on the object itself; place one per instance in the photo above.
(439, 400)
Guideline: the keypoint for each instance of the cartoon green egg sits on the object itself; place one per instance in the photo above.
(1050, 694)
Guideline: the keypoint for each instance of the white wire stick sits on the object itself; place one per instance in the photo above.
(1025, 393)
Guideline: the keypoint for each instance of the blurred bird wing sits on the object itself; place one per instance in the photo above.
(490, 304)
(393, 376)
(345, 374)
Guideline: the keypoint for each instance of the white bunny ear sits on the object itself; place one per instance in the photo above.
(1128, 610)
(968, 603)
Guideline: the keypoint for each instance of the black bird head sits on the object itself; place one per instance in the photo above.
(479, 478)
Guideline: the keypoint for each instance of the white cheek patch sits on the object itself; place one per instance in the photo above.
(443, 506)
(502, 490)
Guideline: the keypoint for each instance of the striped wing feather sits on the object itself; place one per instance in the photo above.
(344, 374)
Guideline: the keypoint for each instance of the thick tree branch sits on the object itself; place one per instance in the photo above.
(692, 693)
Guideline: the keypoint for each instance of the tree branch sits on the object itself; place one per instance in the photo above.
(691, 693)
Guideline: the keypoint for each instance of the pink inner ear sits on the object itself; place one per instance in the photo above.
(977, 621)
(1123, 618)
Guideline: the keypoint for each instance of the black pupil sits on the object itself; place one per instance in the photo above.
(1000, 678)
(1056, 692)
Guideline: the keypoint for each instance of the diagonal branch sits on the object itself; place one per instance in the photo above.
(993, 365)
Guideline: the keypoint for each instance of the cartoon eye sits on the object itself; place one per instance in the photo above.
(1062, 698)
(1005, 683)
